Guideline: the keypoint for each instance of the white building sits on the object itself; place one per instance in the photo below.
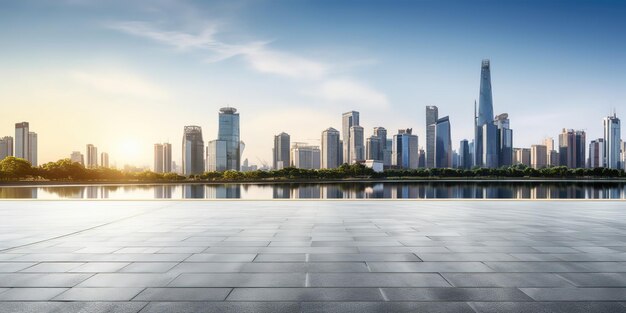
(305, 157)
(331, 149)
(92, 156)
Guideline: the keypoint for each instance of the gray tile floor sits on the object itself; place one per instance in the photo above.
(312, 256)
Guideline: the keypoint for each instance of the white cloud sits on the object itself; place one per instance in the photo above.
(351, 92)
(267, 61)
(119, 82)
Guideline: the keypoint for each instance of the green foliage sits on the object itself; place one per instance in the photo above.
(12, 168)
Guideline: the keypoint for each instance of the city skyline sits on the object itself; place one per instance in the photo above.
(546, 74)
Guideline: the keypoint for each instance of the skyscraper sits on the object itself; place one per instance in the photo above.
(572, 146)
(373, 148)
(612, 140)
(538, 156)
(229, 133)
(32, 148)
(623, 148)
(92, 156)
(104, 159)
(443, 143)
(21, 140)
(485, 143)
(357, 147)
(348, 120)
(405, 149)
(596, 153)
(193, 146)
(381, 133)
(158, 158)
(305, 156)
(504, 140)
(465, 161)
(216, 158)
(553, 155)
(6, 147)
(281, 151)
(432, 115)
(167, 157)
(421, 158)
(331, 148)
(77, 157)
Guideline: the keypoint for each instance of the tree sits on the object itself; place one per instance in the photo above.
(13, 167)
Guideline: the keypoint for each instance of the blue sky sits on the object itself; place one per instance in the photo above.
(126, 74)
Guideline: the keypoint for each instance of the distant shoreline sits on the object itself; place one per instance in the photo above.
(317, 181)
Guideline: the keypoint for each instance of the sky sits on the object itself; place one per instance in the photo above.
(123, 75)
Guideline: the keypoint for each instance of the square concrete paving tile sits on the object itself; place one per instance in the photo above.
(506, 280)
(183, 294)
(305, 294)
(148, 267)
(576, 294)
(240, 280)
(98, 294)
(596, 279)
(41, 280)
(396, 307)
(548, 307)
(30, 294)
(127, 280)
(71, 307)
(454, 294)
(219, 307)
(375, 280)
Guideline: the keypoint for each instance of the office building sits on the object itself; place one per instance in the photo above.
(6, 147)
(374, 148)
(432, 115)
(305, 157)
(504, 140)
(192, 151)
(538, 156)
(167, 157)
(612, 140)
(381, 134)
(485, 131)
(443, 143)
(553, 155)
(357, 148)
(465, 161)
(228, 132)
(158, 158)
(623, 149)
(572, 146)
(348, 120)
(162, 158)
(331, 149)
(521, 156)
(421, 158)
(92, 156)
(216, 158)
(596, 153)
(21, 140)
(405, 149)
(104, 159)
(77, 157)
(281, 151)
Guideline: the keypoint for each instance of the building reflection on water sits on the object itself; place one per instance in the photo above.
(366, 190)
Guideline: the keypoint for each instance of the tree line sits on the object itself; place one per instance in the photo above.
(12, 168)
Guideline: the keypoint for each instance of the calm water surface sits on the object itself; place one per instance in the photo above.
(386, 190)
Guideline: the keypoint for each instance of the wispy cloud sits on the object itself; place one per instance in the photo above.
(262, 58)
(118, 82)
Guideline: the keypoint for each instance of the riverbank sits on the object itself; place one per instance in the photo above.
(44, 183)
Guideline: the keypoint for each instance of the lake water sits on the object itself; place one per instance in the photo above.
(382, 190)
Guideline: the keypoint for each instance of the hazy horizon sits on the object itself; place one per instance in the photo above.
(123, 76)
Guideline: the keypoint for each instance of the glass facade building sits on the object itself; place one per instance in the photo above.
(405, 149)
(193, 146)
(612, 141)
(443, 143)
(281, 151)
(348, 120)
(432, 115)
(485, 142)
(331, 149)
(229, 133)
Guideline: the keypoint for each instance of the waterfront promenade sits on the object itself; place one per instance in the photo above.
(313, 256)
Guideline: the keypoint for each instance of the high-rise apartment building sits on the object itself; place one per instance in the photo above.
(405, 149)
(193, 146)
(553, 155)
(104, 159)
(486, 142)
(281, 151)
(538, 156)
(77, 157)
(504, 140)
(348, 120)
(572, 146)
(381, 134)
(465, 158)
(521, 156)
(92, 156)
(167, 157)
(158, 158)
(6, 147)
(21, 140)
(32, 148)
(443, 143)
(162, 157)
(612, 140)
(596, 153)
(432, 115)
(357, 147)
(305, 156)
(331, 148)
